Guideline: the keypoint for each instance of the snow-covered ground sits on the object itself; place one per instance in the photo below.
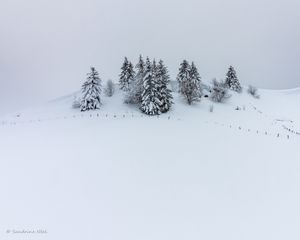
(118, 174)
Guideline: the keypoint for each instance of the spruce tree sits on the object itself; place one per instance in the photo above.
(91, 91)
(126, 76)
(150, 96)
(183, 74)
(196, 81)
(163, 80)
(123, 74)
(154, 72)
(140, 67)
(140, 73)
(134, 95)
(232, 81)
(189, 82)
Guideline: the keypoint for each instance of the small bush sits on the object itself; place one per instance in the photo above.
(219, 92)
(109, 88)
(76, 102)
(133, 96)
(253, 91)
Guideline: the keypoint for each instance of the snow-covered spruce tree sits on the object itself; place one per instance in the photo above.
(150, 96)
(189, 82)
(91, 91)
(232, 81)
(134, 95)
(126, 76)
(196, 81)
(76, 102)
(140, 71)
(183, 75)
(163, 80)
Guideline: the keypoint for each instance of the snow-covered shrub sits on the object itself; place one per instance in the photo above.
(253, 91)
(109, 88)
(133, 96)
(219, 92)
(76, 102)
(206, 90)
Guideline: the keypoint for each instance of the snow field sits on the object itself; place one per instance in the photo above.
(182, 175)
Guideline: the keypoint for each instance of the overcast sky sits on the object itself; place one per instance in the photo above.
(47, 46)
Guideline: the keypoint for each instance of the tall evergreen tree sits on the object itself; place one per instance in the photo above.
(196, 80)
(91, 91)
(134, 95)
(140, 67)
(154, 71)
(123, 76)
(183, 74)
(127, 75)
(163, 80)
(189, 82)
(140, 73)
(232, 81)
(150, 97)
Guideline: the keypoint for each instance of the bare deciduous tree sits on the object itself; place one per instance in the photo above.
(253, 91)
(219, 92)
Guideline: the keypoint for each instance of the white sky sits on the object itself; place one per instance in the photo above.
(47, 46)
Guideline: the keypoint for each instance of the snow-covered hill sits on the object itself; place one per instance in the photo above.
(188, 174)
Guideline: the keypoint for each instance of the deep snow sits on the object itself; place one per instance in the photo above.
(118, 174)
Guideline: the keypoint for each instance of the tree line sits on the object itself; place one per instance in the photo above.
(147, 85)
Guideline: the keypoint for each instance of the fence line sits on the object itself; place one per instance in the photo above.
(132, 115)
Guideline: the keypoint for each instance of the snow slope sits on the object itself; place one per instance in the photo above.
(118, 174)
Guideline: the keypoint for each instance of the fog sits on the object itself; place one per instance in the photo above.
(47, 46)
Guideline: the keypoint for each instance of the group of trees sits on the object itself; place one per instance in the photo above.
(191, 88)
(147, 85)
(219, 89)
(189, 82)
